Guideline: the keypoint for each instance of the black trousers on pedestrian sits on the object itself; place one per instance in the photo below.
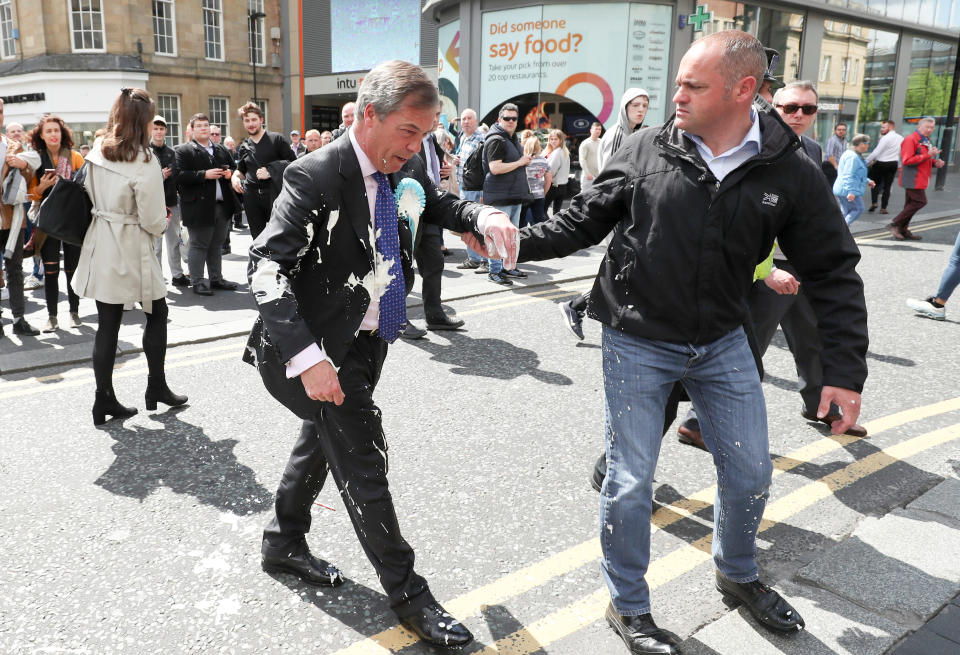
(883, 173)
(258, 203)
(50, 255)
(206, 245)
(109, 318)
(916, 200)
(555, 197)
(430, 266)
(13, 267)
(349, 440)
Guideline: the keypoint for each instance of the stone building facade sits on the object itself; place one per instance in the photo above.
(192, 56)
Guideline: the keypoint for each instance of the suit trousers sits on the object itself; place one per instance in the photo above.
(916, 200)
(349, 440)
(883, 173)
(13, 266)
(205, 245)
(430, 266)
(257, 203)
(171, 238)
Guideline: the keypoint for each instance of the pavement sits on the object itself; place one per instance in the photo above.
(890, 586)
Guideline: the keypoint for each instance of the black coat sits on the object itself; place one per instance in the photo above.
(198, 195)
(684, 246)
(168, 158)
(309, 267)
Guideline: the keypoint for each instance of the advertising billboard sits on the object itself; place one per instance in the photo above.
(589, 53)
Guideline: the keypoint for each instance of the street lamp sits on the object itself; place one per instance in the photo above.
(253, 17)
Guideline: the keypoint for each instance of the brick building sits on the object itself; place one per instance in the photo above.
(191, 56)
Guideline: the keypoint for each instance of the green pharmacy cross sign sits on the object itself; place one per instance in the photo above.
(700, 17)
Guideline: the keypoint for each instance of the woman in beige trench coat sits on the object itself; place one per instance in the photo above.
(117, 261)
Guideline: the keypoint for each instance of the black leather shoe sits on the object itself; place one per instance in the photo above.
(21, 327)
(767, 606)
(412, 332)
(312, 570)
(225, 285)
(443, 322)
(599, 473)
(202, 289)
(572, 319)
(180, 281)
(158, 392)
(106, 404)
(641, 634)
(434, 626)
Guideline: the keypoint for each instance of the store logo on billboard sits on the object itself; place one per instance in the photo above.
(581, 124)
(639, 34)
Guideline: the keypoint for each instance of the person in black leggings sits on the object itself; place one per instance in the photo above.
(117, 263)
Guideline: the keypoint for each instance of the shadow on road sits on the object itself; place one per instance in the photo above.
(181, 457)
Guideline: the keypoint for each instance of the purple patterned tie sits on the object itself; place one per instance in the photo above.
(393, 303)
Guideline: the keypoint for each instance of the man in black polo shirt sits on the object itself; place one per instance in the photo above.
(262, 158)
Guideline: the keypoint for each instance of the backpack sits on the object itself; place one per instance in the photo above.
(473, 170)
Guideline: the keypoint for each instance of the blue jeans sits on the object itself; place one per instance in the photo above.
(513, 211)
(474, 196)
(951, 276)
(722, 381)
(851, 210)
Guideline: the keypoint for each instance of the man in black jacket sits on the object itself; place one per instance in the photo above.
(330, 274)
(689, 227)
(168, 164)
(262, 157)
(207, 203)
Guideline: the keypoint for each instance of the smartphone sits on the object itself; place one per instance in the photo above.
(49, 170)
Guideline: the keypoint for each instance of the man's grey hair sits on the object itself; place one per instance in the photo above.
(858, 139)
(741, 55)
(803, 85)
(467, 111)
(394, 83)
(9, 126)
(509, 106)
(927, 119)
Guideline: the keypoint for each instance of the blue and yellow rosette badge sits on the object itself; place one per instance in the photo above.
(411, 199)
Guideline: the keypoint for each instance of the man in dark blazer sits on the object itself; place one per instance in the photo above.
(330, 283)
(207, 204)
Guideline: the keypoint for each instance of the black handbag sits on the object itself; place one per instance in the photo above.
(65, 213)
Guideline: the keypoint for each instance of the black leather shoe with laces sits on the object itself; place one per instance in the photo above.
(310, 569)
(436, 627)
(641, 634)
(767, 606)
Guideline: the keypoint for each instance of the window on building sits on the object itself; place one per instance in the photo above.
(856, 71)
(825, 69)
(164, 34)
(255, 27)
(86, 21)
(928, 85)
(213, 29)
(263, 107)
(844, 69)
(8, 45)
(168, 106)
(218, 113)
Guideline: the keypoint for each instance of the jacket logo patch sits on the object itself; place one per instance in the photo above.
(770, 199)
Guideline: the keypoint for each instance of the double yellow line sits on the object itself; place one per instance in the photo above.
(922, 227)
(585, 611)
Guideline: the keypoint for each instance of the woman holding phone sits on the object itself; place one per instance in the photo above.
(117, 261)
(53, 140)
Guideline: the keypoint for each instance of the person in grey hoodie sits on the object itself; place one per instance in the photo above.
(633, 109)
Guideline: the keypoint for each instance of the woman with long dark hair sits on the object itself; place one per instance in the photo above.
(117, 262)
(53, 140)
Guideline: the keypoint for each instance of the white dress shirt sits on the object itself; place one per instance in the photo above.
(726, 162)
(888, 148)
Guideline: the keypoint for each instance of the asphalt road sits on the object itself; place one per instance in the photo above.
(144, 537)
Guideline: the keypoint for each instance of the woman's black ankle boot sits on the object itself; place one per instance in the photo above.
(159, 392)
(106, 404)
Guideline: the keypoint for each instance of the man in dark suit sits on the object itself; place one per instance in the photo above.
(331, 284)
(207, 204)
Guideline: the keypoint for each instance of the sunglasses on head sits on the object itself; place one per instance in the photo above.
(808, 110)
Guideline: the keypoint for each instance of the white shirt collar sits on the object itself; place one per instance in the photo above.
(366, 166)
(752, 136)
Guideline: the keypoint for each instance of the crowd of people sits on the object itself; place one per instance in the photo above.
(660, 198)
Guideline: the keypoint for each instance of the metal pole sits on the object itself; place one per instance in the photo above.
(253, 16)
(946, 142)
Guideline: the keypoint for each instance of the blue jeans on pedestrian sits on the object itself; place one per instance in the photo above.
(722, 381)
(851, 210)
(474, 196)
(513, 211)
(951, 276)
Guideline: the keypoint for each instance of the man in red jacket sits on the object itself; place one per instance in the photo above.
(917, 155)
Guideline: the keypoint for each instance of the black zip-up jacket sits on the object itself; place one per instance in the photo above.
(167, 157)
(684, 247)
